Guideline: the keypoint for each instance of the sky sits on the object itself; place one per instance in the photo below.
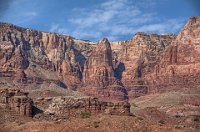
(95, 19)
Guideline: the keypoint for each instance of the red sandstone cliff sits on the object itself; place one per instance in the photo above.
(179, 65)
(99, 79)
(22, 50)
(110, 70)
(137, 57)
(98, 69)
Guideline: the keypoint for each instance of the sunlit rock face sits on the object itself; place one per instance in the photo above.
(137, 57)
(110, 70)
(22, 49)
(179, 65)
(99, 77)
(99, 66)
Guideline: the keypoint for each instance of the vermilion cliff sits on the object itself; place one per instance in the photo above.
(179, 66)
(116, 70)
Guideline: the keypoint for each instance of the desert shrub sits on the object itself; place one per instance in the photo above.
(179, 126)
(161, 122)
(140, 118)
(96, 124)
(19, 122)
(85, 114)
(134, 105)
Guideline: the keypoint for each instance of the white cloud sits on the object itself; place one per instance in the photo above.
(105, 13)
(58, 29)
(169, 26)
(91, 34)
(115, 18)
(20, 12)
(30, 14)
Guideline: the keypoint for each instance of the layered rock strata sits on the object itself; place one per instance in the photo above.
(22, 48)
(109, 70)
(137, 57)
(179, 65)
(17, 102)
(73, 106)
(99, 77)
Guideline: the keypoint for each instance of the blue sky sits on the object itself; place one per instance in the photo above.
(95, 19)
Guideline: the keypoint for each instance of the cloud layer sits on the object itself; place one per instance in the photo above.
(20, 12)
(118, 18)
(93, 20)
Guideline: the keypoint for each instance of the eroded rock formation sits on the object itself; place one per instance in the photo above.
(179, 65)
(99, 67)
(17, 102)
(99, 77)
(22, 47)
(137, 57)
(72, 106)
(109, 70)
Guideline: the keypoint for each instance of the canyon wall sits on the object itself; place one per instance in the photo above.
(137, 57)
(180, 62)
(111, 70)
(99, 75)
(23, 49)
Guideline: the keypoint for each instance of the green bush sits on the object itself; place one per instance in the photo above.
(85, 114)
(179, 126)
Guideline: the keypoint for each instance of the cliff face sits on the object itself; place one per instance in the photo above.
(99, 66)
(137, 57)
(185, 49)
(109, 70)
(179, 65)
(99, 79)
(22, 49)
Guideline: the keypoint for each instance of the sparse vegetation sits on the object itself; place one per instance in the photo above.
(134, 105)
(85, 114)
(162, 122)
(179, 126)
(140, 118)
(20, 122)
(96, 124)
